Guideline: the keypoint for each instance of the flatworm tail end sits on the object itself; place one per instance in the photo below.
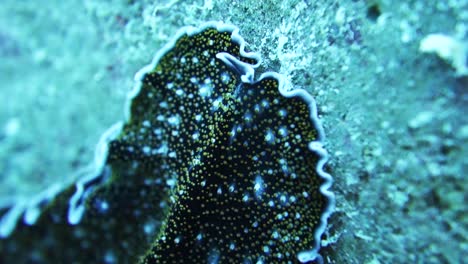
(30, 209)
(90, 174)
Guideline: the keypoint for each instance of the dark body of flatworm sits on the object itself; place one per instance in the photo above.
(210, 167)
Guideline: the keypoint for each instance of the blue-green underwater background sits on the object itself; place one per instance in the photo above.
(395, 117)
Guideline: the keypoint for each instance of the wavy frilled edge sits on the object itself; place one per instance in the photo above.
(285, 88)
(30, 210)
(317, 147)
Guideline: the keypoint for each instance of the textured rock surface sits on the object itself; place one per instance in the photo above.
(394, 117)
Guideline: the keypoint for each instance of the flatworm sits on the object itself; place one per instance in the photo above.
(211, 166)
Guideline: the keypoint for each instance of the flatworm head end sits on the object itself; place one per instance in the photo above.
(244, 156)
